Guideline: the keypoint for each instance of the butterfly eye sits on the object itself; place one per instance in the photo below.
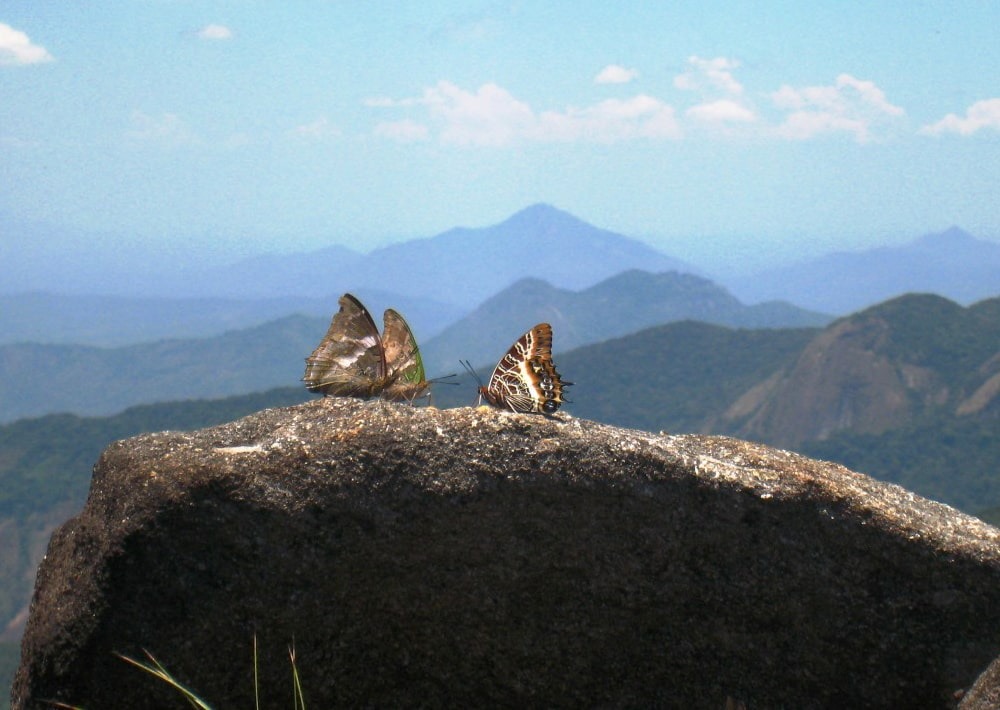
(550, 406)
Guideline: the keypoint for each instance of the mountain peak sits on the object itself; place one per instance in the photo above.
(540, 213)
(952, 237)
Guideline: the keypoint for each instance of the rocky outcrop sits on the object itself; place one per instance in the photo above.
(842, 381)
(472, 557)
(985, 692)
(877, 370)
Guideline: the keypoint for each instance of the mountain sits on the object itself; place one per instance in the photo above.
(41, 379)
(37, 379)
(113, 321)
(82, 298)
(465, 266)
(888, 366)
(952, 263)
(624, 303)
(460, 267)
(314, 273)
(678, 377)
(906, 364)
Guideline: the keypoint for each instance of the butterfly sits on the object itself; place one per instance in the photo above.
(353, 360)
(525, 379)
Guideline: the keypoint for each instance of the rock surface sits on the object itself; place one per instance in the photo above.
(985, 692)
(472, 557)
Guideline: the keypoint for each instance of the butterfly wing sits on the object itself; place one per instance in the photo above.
(405, 377)
(350, 360)
(525, 379)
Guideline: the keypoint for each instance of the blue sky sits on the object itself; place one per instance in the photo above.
(725, 131)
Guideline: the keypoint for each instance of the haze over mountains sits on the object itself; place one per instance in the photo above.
(468, 293)
(115, 321)
(85, 299)
(460, 267)
(952, 263)
(38, 379)
(625, 303)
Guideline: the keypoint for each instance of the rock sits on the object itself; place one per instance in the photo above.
(985, 693)
(472, 557)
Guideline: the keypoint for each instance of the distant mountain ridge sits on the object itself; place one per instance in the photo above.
(43, 379)
(910, 361)
(433, 281)
(624, 303)
(437, 279)
(466, 266)
(461, 266)
(953, 264)
(116, 321)
(40, 379)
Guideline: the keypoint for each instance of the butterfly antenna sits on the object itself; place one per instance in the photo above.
(468, 368)
(441, 380)
(566, 384)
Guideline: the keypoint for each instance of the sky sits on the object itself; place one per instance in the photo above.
(732, 132)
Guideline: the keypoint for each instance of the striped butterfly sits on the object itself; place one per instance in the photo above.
(353, 360)
(525, 379)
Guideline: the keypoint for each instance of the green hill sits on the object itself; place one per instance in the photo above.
(42, 379)
(674, 377)
(625, 303)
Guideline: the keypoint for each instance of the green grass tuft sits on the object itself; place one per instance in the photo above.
(156, 669)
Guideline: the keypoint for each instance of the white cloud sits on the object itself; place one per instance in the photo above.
(492, 116)
(215, 32)
(379, 102)
(722, 111)
(980, 115)
(803, 125)
(16, 48)
(615, 74)
(610, 121)
(167, 129)
(404, 131)
(850, 105)
(710, 76)
(320, 129)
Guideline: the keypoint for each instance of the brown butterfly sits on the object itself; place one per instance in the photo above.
(525, 379)
(353, 360)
